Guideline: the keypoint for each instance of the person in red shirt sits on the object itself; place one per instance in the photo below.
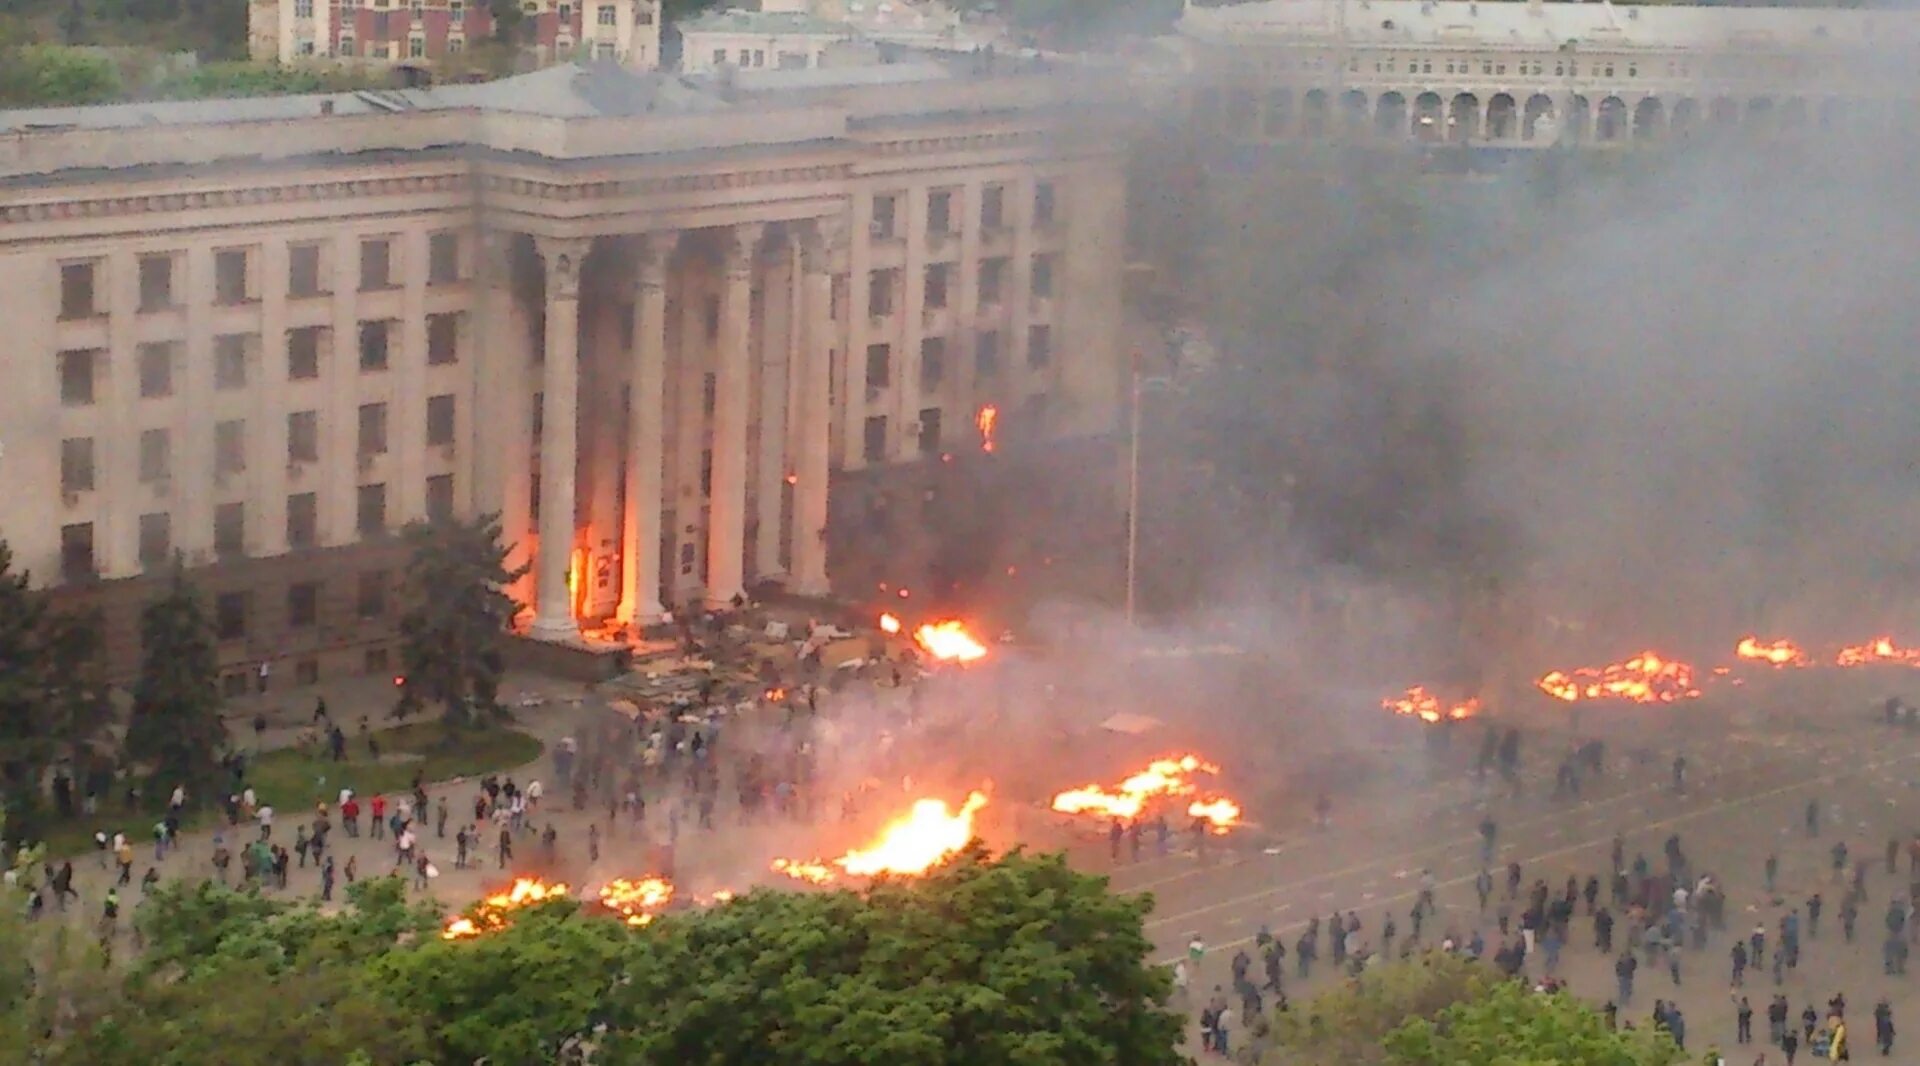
(379, 817)
(350, 816)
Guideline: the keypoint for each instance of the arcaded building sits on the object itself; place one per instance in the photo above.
(1530, 75)
(651, 321)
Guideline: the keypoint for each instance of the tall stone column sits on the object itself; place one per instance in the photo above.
(824, 253)
(726, 511)
(776, 365)
(559, 439)
(646, 441)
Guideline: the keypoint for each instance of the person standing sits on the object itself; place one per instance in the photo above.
(1883, 1026)
(1743, 1023)
(326, 881)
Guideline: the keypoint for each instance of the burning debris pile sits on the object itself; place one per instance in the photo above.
(1163, 782)
(638, 902)
(1646, 678)
(1427, 707)
(928, 834)
(946, 641)
(492, 913)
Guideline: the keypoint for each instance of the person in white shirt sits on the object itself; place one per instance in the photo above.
(266, 821)
(533, 795)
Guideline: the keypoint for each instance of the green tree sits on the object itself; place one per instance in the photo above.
(53, 700)
(176, 730)
(1510, 1024)
(1020, 960)
(52, 76)
(1346, 1025)
(457, 609)
(53, 987)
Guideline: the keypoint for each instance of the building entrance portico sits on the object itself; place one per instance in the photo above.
(667, 396)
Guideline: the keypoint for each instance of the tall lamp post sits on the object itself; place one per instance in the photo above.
(1141, 383)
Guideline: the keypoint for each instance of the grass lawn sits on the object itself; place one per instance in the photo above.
(292, 780)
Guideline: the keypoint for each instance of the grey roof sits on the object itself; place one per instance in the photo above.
(771, 23)
(567, 91)
(1466, 23)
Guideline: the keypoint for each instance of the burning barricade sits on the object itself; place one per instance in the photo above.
(927, 835)
(1162, 783)
(1419, 703)
(947, 641)
(1645, 678)
(494, 912)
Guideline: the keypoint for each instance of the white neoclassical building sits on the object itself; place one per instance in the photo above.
(1528, 74)
(649, 320)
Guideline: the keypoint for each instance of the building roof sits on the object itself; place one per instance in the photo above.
(1550, 25)
(765, 23)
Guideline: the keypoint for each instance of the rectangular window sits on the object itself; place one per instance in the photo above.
(376, 264)
(156, 282)
(76, 464)
(874, 439)
(230, 616)
(1039, 346)
(373, 345)
(933, 362)
(986, 354)
(303, 604)
(880, 293)
(706, 473)
(879, 366)
(303, 353)
(369, 600)
(1043, 204)
(156, 456)
(303, 270)
(935, 296)
(440, 420)
(230, 361)
(156, 540)
(346, 46)
(1042, 277)
(605, 15)
(373, 429)
(884, 208)
(930, 431)
(993, 273)
(76, 377)
(440, 497)
(303, 519)
(443, 338)
(443, 258)
(993, 207)
(303, 436)
(77, 290)
(76, 552)
(939, 213)
(156, 369)
(230, 530)
(709, 394)
(416, 48)
(229, 446)
(539, 419)
(719, 57)
(230, 276)
(303, 9)
(370, 510)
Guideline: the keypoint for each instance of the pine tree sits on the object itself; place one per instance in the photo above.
(176, 730)
(24, 745)
(457, 607)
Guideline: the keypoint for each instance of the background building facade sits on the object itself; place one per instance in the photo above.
(1535, 74)
(423, 33)
(645, 321)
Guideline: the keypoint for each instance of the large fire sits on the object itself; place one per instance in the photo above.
(1427, 707)
(986, 420)
(913, 843)
(1877, 651)
(490, 914)
(1645, 678)
(1161, 779)
(639, 902)
(949, 641)
(1772, 652)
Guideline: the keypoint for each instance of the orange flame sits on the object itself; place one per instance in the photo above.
(1162, 778)
(1878, 650)
(813, 873)
(912, 844)
(1424, 705)
(949, 641)
(490, 914)
(988, 417)
(1645, 678)
(639, 902)
(889, 624)
(1222, 813)
(1773, 652)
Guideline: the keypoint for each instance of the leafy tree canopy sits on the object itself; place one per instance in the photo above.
(457, 609)
(176, 731)
(1511, 1025)
(37, 75)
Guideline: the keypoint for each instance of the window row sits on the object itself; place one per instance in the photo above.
(928, 428)
(156, 543)
(937, 284)
(77, 454)
(236, 274)
(942, 213)
(933, 358)
(159, 363)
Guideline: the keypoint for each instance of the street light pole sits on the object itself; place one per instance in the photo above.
(1133, 496)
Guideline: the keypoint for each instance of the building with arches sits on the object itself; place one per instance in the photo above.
(1527, 75)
